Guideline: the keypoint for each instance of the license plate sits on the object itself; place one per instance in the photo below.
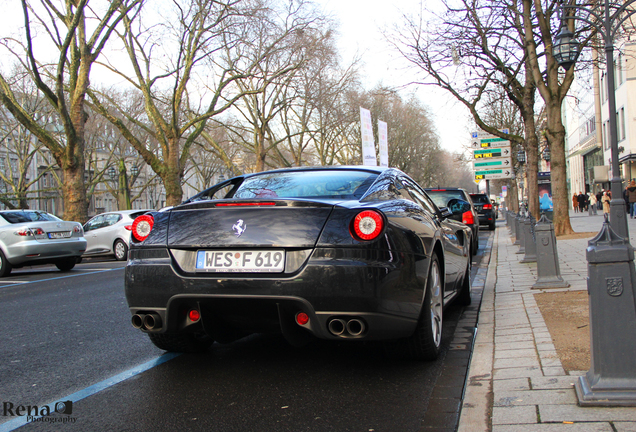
(57, 235)
(241, 261)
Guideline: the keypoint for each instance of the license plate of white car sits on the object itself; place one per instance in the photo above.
(60, 234)
(241, 261)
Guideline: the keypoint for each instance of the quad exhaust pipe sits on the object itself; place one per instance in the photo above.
(151, 321)
(346, 327)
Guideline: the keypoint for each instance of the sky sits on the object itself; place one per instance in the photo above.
(361, 24)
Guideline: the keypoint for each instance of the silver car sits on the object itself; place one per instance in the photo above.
(109, 233)
(33, 237)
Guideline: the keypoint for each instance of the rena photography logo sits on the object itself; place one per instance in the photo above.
(41, 414)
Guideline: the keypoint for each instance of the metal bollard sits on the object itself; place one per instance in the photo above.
(522, 236)
(611, 380)
(517, 230)
(548, 272)
(512, 224)
(531, 245)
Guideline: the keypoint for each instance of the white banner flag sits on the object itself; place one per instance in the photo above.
(383, 143)
(368, 143)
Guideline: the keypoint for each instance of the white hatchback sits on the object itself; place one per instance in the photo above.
(109, 233)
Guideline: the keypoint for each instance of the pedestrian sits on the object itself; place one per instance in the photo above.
(593, 203)
(631, 196)
(575, 203)
(581, 200)
(599, 195)
(626, 199)
(606, 202)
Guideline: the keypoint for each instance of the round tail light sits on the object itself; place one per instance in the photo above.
(368, 225)
(142, 226)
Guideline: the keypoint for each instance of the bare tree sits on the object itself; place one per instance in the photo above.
(19, 148)
(476, 51)
(64, 81)
(284, 42)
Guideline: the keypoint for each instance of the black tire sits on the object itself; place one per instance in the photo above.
(181, 342)
(492, 227)
(66, 265)
(476, 242)
(424, 343)
(5, 266)
(463, 298)
(121, 250)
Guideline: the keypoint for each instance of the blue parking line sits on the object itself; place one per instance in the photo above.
(89, 391)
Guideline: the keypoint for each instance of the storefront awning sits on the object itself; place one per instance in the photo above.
(585, 150)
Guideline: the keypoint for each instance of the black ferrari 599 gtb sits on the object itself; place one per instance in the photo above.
(340, 253)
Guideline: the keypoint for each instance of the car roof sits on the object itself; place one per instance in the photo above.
(124, 211)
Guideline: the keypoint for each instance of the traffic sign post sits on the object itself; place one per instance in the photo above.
(481, 164)
(494, 174)
(492, 157)
(503, 152)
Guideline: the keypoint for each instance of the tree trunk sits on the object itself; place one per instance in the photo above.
(513, 196)
(74, 193)
(560, 195)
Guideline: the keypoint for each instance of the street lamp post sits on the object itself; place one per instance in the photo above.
(611, 380)
(566, 50)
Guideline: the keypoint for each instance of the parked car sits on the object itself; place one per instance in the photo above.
(337, 253)
(33, 237)
(441, 196)
(109, 233)
(485, 210)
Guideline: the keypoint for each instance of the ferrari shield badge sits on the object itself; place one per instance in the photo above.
(239, 227)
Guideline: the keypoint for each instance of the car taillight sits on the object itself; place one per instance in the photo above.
(368, 224)
(128, 227)
(77, 229)
(468, 218)
(142, 226)
(487, 207)
(27, 232)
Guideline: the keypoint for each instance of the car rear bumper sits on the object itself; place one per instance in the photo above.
(486, 219)
(383, 293)
(33, 251)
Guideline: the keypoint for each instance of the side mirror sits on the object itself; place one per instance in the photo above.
(457, 206)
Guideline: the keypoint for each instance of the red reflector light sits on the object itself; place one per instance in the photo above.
(194, 315)
(368, 224)
(128, 227)
(142, 226)
(245, 204)
(302, 318)
(37, 231)
(468, 218)
(487, 207)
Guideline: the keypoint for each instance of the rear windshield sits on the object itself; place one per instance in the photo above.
(28, 216)
(336, 184)
(441, 197)
(480, 199)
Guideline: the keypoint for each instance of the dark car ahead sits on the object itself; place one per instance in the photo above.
(341, 253)
(485, 210)
(441, 197)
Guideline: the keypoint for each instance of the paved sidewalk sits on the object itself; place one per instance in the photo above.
(516, 381)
